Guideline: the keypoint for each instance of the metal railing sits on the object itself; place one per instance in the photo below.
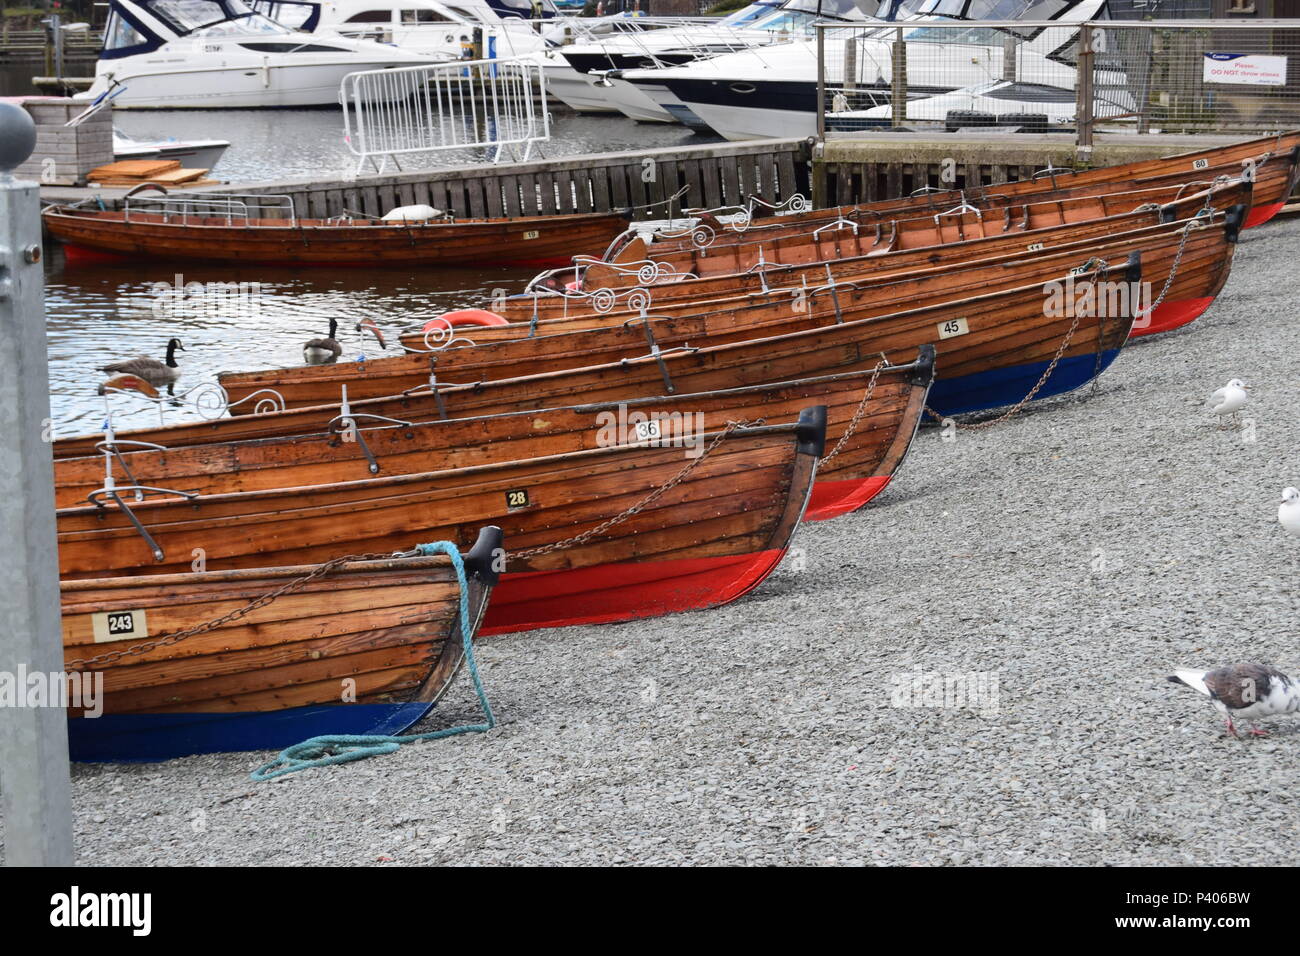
(1197, 76)
(270, 210)
(470, 104)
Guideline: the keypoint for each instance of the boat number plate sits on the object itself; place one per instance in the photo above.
(517, 498)
(1036, 246)
(1200, 164)
(119, 625)
(532, 234)
(953, 328)
(649, 431)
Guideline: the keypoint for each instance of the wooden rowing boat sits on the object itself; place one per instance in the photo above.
(1201, 247)
(609, 534)
(543, 303)
(1273, 161)
(365, 649)
(871, 418)
(992, 357)
(538, 241)
(843, 239)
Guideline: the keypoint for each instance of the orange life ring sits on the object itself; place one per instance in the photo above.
(480, 317)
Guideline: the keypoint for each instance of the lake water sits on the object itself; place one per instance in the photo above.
(101, 313)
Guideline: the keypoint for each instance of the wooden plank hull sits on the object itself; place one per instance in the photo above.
(711, 536)
(881, 433)
(368, 649)
(838, 242)
(1005, 330)
(1275, 159)
(557, 313)
(529, 241)
(1202, 250)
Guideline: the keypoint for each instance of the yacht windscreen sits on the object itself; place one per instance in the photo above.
(190, 16)
(836, 9)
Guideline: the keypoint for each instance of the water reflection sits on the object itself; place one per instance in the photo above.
(229, 318)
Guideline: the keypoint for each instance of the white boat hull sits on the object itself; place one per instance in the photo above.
(162, 86)
(577, 91)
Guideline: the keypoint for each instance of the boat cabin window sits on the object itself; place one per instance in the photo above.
(371, 16)
(121, 35)
(211, 17)
(423, 16)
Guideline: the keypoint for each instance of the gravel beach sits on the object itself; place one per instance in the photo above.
(1060, 565)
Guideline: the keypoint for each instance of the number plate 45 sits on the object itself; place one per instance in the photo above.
(953, 328)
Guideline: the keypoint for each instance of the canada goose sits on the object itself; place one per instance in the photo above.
(154, 372)
(323, 351)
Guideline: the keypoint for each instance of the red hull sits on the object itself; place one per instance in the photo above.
(830, 499)
(622, 592)
(1262, 214)
(74, 253)
(1172, 315)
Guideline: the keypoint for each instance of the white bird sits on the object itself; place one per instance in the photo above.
(1230, 399)
(1246, 691)
(1288, 512)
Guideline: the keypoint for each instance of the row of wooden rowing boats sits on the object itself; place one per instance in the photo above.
(734, 379)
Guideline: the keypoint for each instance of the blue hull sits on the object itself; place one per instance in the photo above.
(135, 738)
(1006, 386)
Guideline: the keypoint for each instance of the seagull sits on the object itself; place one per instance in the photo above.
(1248, 691)
(1230, 399)
(1288, 512)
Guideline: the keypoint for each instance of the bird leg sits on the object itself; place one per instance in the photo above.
(1232, 729)
(1256, 732)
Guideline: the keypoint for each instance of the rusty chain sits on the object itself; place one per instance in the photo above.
(644, 502)
(861, 410)
(175, 637)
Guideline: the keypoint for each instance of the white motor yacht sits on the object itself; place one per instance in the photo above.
(771, 91)
(220, 54)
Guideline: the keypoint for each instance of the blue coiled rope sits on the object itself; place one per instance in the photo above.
(328, 750)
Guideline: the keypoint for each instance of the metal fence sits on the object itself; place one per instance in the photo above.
(489, 105)
(1193, 76)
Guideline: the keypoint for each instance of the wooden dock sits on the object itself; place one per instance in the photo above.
(714, 175)
(839, 171)
(885, 165)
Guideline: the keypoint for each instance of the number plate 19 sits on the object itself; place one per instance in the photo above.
(952, 328)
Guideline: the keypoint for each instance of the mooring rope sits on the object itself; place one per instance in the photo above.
(327, 750)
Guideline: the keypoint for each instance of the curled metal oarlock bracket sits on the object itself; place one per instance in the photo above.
(110, 492)
(959, 210)
(436, 338)
(208, 399)
(112, 450)
(838, 224)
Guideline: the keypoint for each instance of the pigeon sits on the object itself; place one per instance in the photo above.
(1247, 691)
(1230, 399)
(1288, 512)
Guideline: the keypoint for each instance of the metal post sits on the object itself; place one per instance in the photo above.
(821, 83)
(1009, 47)
(34, 781)
(898, 82)
(1084, 97)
